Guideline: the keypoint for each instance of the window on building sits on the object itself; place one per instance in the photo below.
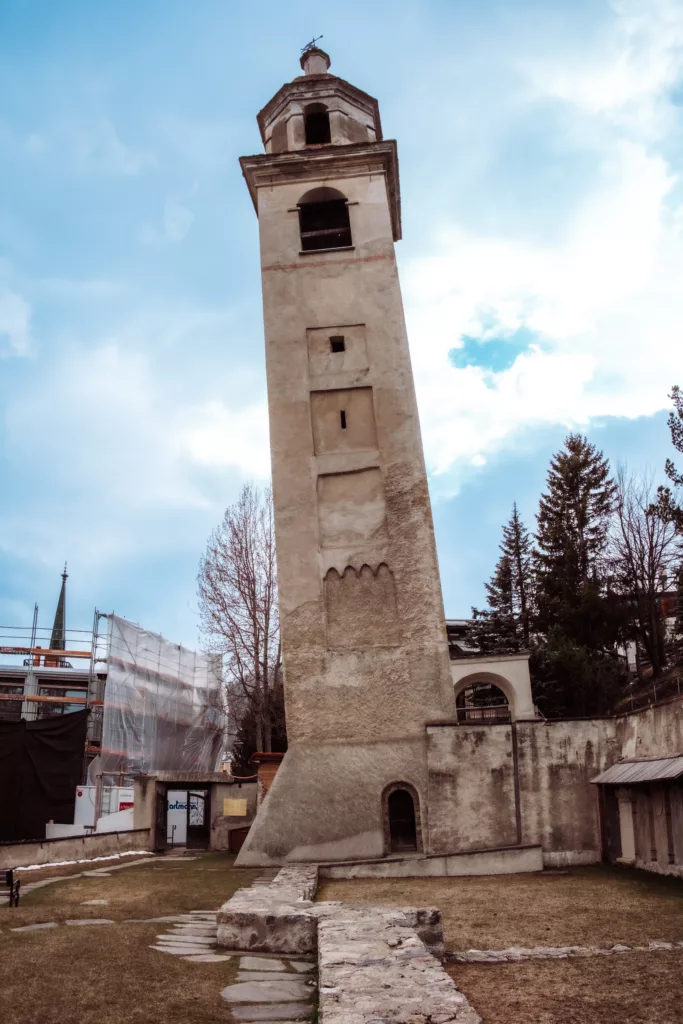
(324, 220)
(317, 124)
(46, 709)
(342, 417)
(10, 710)
(337, 343)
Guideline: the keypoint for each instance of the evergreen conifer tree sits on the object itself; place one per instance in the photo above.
(504, 627)
(573, 526)
(579, 623)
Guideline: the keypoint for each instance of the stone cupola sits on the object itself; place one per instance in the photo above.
(318, 109)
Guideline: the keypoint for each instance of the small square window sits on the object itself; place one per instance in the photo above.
(337, 343)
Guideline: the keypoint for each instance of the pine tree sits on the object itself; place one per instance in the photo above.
(573, 525)
(667, 506)
(504, 627)
(675, 639)
(579, 622)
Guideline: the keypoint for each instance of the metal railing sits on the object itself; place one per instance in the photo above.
(487, 715)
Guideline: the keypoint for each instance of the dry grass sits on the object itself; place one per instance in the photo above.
(108, 974)
(587, 906)
(629, 988)
(150, 890)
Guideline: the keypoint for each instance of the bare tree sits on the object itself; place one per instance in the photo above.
(644, 553)
(237, 585)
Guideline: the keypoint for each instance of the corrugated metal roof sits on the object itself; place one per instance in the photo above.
(650, 769)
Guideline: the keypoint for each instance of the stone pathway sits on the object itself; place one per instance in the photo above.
(193, 937)
(514, 954)
(273, 990)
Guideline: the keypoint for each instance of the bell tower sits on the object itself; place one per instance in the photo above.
(364, 644)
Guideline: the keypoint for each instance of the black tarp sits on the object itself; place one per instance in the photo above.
(41, 764)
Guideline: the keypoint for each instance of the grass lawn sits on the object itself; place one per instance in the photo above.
(631, 988)
(586, 907)
(107, 974)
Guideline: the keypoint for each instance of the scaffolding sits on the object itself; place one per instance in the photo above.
(153, 705)
(162, 705)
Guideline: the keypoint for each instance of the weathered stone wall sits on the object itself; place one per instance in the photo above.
(51, 851)
(471, 779)
(325, 803)
(471, 788)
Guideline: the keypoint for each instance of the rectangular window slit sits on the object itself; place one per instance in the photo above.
(342, 416)
(337, 343)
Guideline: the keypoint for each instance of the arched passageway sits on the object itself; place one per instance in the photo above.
(482, 702)
(402, 821)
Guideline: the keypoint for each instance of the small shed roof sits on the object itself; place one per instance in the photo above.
(641, 769)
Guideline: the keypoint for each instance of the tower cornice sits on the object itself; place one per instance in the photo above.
(264, 170)
(319, 87)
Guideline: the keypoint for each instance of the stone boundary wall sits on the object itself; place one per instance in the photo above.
(513, 860)
(282, 917)
(516, 954)
(73, 848)
(532, 779)
(373, 969)
(376, 963)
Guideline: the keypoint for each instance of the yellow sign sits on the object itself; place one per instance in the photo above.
(234, 808)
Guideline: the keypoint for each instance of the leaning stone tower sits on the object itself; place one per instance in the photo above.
(364, 644)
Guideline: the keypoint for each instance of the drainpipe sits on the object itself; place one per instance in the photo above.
(515, 772)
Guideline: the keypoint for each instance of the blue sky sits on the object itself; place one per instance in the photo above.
(540, 147)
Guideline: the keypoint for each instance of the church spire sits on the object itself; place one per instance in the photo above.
(58, 638)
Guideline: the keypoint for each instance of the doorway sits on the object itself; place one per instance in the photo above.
(402, 823)
(198, 817)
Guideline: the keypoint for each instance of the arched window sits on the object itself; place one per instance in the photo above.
(401, 805)
(317, 124)
(482, 702)
(324, 220)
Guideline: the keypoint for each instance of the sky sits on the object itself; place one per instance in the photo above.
(540, 146)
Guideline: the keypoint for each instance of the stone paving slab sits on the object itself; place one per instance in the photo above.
(90, 920)
(273, 1013)
(177, 950)
(35, 927)
(260, 963)
(302, 966)
(208, 958)
(287, 990)
(94, 903)
(186, 940)
(266, 976)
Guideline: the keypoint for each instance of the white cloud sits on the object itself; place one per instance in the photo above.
(224, 436)
(603, 294)
(117, 456)
(625, 73)
(15, 323)
(176, 224)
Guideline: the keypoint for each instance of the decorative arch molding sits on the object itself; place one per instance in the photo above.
(322, 194)
(504, 685)
(386, 793)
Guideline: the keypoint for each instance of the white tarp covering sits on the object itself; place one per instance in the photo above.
(161, 705)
